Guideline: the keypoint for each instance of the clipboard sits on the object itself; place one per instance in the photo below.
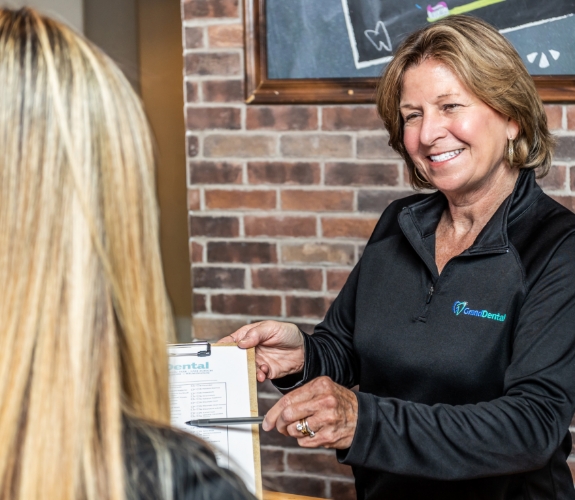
(218, 381)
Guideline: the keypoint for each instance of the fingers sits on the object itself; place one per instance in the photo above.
(238, 335)
(330, 411)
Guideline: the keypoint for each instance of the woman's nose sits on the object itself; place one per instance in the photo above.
(432, 128)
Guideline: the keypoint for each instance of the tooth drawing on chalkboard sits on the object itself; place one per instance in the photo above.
(440, 10)
(379, 37)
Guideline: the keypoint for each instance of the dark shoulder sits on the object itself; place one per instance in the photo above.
(194, 473)
(538, 232)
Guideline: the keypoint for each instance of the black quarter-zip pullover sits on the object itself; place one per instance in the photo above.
(466, 379)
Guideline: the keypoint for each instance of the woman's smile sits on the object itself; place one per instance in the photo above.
(457, 142)
(443, 157)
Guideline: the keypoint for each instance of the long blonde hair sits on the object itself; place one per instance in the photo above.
(85, 316)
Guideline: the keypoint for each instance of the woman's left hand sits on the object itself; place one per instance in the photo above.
(330, 411)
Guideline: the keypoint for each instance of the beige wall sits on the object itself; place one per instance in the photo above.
(69, 11)
(160, 48)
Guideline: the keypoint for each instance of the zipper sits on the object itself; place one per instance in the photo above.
(429, 295)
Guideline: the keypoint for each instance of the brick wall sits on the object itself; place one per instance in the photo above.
(281, 201)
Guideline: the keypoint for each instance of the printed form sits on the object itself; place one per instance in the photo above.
(218, 384)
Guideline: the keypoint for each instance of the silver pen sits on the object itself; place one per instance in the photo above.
(212, 422)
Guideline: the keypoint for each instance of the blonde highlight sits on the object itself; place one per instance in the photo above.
(86, 315)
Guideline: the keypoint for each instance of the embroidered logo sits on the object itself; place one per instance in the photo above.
(461, 307)
(458, 307)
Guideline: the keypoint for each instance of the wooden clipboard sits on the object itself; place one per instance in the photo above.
(225, 388)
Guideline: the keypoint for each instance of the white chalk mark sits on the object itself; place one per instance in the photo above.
(379, 37)
(543, 62)
(531, 57)
(536, 23)
(554, 54)
(353, 42)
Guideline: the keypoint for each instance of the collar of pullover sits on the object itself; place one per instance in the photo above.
(419, 220)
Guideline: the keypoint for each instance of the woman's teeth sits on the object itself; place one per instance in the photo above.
(445, 156)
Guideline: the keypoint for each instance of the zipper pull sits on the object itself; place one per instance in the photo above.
(429, 295)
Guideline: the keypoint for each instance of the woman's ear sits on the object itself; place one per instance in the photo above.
(512, 128)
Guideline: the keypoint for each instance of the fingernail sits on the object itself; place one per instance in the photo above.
(265, 425)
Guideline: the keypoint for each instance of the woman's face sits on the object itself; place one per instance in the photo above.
(456, 140)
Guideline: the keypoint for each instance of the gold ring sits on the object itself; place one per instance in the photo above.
(303, 427)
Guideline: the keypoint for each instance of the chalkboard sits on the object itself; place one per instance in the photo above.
(334, 50)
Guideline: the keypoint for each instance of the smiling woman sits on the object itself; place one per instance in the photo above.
(454, 402)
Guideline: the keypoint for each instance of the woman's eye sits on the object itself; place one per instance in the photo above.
(449, 107)
(411, 117)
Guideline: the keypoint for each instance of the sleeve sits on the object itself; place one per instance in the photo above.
(329, 351)
(516, 432)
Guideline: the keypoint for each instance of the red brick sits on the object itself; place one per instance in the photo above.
(196, 252)
(307, 307)
(571, 117)
(194, 38)
(191, 91)
(336, 278)
(242, 252)
(309, 486)
(272, 460)
(375, 146)
(377, 201)
(193, 199)
(280, 226)
(202, 118)
(198, 302)
(213, 63)
(217, 277)
(319, 463)
(214, 328)
(317, 201)
(566, 201)
(228, 198)
(555, 179)
(281, 118)
(287, 279)
(223, 90)
(239, 146)
(572, 176)
(223, 227)
(210, 8)
(554, 116)
(283, 173)
(351, 118)
(226, 35)
(338, 227)
(315, 253)
(261, 305)
(343, 490)
(565, 149)
(572, 469)
(208, 172)
(316, 145)
(358, 174)
(192, 145)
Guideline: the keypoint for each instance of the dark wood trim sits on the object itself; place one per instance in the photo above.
(261, 90)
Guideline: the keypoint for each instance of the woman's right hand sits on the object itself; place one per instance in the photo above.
(279, 347)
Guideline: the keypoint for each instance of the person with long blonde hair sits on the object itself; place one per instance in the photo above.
(84, 402)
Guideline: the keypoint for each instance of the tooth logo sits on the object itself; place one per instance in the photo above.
(458, 307)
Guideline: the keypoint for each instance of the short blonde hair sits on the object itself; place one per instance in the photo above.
(491, 69)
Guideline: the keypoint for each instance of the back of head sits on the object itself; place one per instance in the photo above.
(489, 66)
(84, 310)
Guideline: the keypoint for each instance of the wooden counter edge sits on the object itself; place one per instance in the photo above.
(273, 495)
